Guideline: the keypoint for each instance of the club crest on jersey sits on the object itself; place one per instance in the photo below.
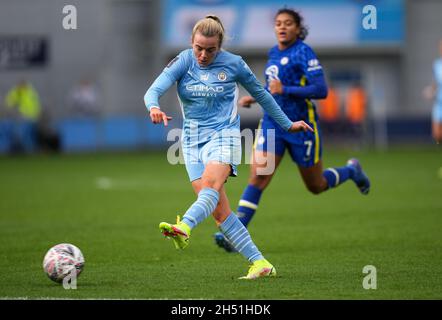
(284, 61)
(222, 76)
(272, 72)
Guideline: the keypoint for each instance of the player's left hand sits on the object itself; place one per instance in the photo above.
(300, 126)
(275, 87)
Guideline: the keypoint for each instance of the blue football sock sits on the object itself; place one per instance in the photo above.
(248, 204)
(205, 204)
(240, 238)
(337, 176)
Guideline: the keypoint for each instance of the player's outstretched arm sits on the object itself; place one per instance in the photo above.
(315, 89)
(265, 99)
(171, 74)
(158, 116)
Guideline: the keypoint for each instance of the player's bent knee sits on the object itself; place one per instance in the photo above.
(315, 188)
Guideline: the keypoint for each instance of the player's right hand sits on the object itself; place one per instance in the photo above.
(158, 116)
(246, 101)
(300, 126)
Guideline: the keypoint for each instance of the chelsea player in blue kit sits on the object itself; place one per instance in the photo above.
(207, 78)
(294, 76)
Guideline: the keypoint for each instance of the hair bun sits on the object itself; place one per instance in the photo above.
(213, 17)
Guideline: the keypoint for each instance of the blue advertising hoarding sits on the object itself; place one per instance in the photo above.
(249, 23)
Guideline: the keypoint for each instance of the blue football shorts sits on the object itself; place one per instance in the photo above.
(223, 148)
(305, 148)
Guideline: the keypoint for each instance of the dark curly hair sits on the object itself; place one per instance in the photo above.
(299, 20)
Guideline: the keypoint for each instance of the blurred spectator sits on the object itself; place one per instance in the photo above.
(355, 111)
(84, 99)
(27, 101)
(329, 111)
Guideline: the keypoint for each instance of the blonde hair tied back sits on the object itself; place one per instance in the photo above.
(209, 26)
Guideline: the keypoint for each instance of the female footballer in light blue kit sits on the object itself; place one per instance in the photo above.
(207, 78)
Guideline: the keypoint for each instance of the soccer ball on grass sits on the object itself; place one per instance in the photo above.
(61, 260)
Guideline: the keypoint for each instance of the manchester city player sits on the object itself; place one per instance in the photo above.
(207, 78)
(294, 76)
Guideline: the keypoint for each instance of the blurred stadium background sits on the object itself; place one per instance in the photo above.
(376, 76)
(375, 111)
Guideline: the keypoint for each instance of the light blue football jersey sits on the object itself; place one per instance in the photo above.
(208, 95)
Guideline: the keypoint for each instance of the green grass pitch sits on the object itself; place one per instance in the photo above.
(110, 205)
